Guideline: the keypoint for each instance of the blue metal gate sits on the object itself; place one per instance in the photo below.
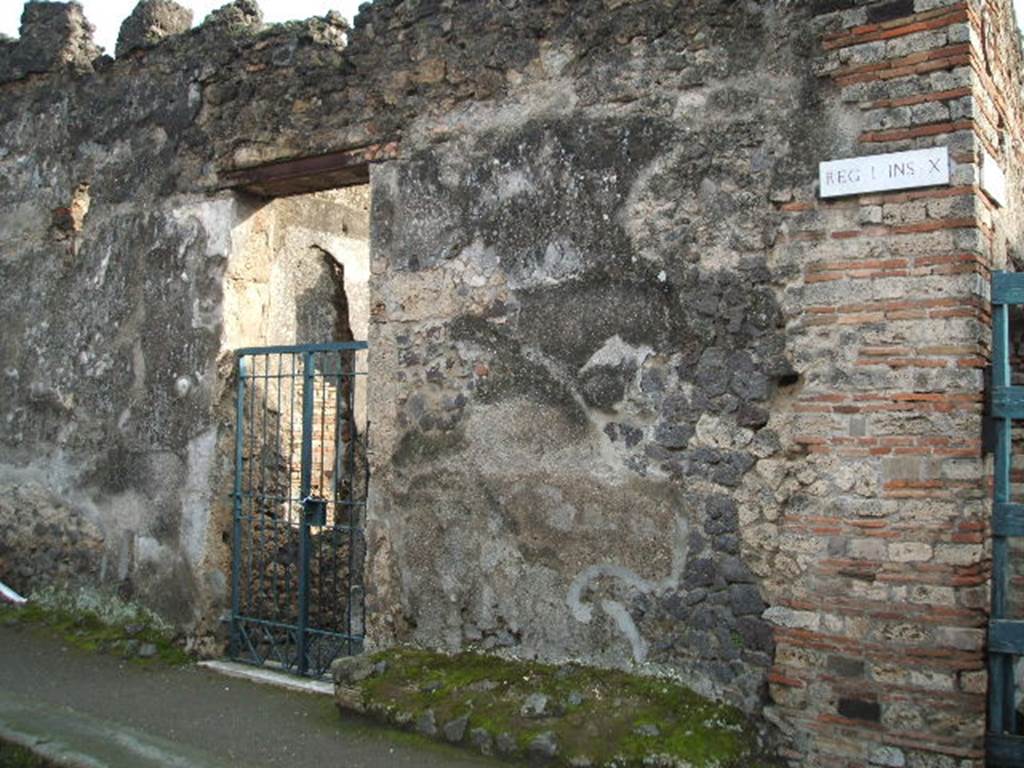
(1005, 634)
(299, 501)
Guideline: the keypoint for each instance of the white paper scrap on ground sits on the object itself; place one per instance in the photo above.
(9, 595)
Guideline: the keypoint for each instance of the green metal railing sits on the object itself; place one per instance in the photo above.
(299, 504)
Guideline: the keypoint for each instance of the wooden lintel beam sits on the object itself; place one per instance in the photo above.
(309, 174)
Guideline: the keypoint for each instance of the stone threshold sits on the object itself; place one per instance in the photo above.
(271, 677)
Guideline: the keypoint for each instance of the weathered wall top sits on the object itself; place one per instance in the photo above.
(151, 22)
(54, 36)
(240, 93)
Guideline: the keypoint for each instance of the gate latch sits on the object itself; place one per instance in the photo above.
(314, 510)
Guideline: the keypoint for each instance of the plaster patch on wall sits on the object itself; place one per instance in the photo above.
(512, 183)
(196, 497)
(544, 99)
(560, 262)
(616, 352)
(219, 217)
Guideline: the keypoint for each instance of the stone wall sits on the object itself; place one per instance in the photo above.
(638, 397)
(578, 345)
(127, 293)
(881, 636)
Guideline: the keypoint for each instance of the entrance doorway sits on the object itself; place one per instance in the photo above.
(297, 313)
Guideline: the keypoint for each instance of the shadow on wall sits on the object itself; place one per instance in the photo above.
(321, 310)
(313, 318)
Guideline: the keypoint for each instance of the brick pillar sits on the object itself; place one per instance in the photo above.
(881, 610)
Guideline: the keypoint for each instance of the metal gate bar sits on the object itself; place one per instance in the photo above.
(296, 597)
(1005, 743)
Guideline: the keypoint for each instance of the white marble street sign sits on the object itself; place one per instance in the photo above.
(880, 173)
(993, 180)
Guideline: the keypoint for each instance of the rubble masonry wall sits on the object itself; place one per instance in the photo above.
(637, 395)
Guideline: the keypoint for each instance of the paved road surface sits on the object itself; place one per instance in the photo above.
(117, 713)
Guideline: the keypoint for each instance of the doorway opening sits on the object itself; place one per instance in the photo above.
(297, 309)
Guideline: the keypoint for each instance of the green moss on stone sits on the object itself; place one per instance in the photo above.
(93, 622)
(611, 717)
(13, 756)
